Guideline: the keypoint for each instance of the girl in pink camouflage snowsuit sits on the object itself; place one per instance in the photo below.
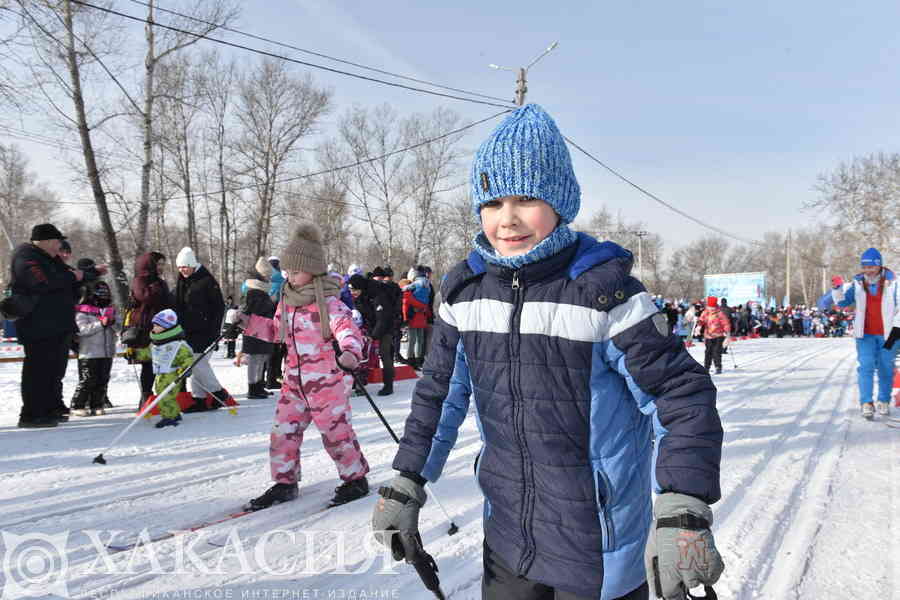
(316, 388)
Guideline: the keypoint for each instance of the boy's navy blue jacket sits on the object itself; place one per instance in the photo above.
(572, 368)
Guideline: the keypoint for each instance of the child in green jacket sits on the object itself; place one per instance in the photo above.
(171, 357)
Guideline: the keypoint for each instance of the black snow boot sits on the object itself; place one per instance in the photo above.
(38, 422)
(199, 405)
(223, 397)
(256, 391)
(387, 390)
(168, 422)
(350, 491)
(278, 493)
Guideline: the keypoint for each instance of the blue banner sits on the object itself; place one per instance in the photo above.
(737, 288)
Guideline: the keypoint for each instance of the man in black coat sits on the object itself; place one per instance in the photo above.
(201, 309)
(378, 306)
(46, 331)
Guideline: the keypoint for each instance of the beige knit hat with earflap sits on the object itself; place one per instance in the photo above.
(305, 251)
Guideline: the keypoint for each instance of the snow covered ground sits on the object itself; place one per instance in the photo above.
(810, 507)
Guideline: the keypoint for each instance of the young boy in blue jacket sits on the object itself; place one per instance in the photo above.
(573, 370)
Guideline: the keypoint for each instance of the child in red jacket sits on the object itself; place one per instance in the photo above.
(716, 327)
(415, 315)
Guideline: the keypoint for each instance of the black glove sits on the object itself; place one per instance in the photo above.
(895, 335)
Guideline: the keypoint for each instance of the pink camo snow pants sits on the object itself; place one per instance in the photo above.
(325, 399)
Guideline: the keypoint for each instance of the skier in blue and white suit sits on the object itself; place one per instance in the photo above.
(876, 294)
(573, 369)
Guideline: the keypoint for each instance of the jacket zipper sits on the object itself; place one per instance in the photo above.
(519, 421)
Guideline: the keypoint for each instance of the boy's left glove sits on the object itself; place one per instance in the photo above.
(395, 520)
(681, 553)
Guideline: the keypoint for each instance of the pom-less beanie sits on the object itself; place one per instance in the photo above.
(187, 258)
(526, 155)
(870, 258)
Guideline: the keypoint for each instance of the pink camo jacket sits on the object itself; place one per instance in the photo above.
(303, 335)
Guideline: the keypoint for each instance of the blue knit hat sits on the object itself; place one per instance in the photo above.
(871, 258)
(167, 319)
(526, 156)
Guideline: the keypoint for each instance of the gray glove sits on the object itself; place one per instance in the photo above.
(398, 510)
(681, 553)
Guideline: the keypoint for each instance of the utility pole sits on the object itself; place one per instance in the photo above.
(640, 235)
(787, 252)
(522, 74)
(824, 286)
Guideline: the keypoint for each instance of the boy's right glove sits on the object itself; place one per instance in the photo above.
(681, 553)
(398, 511)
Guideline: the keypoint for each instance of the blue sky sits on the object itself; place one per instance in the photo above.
(728, 111)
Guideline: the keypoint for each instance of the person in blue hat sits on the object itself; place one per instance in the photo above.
(876, 327)
(574, 371)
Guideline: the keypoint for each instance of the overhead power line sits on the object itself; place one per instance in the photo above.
(355, 164)
(657, 198)
(688, 216)
(284, 58)
(314, 53)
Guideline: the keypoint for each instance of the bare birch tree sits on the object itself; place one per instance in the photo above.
(863, 197)
(202, 19)
(24, 202)
(62, 58)
(216, 86)
(434, 168)
(274, 111)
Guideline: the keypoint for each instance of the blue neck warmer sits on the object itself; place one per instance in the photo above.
(561, 238)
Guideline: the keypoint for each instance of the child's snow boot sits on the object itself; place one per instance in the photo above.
(278, 493)
(350, 491)
(166, 422)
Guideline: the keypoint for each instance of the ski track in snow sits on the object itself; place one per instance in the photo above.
(809, 505)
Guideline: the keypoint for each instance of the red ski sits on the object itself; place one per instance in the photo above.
(123, 547)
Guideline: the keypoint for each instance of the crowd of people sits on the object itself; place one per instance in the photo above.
(751, 319)
(586, 398)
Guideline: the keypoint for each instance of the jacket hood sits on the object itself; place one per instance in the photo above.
(361, 283)
(145, 264)
(256, 284)
(589, 253)
(31, 249)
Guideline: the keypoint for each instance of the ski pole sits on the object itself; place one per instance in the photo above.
(149, 406)
(708, 594)
(232, 410)
(453, 527)
(733, 361)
